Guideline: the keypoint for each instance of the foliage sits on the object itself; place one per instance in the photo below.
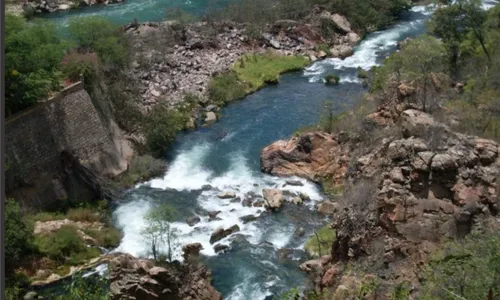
(225, 87)
(80, 288)
(65, 246)
(82, 214)
(77, 65)
(324, 48)
(98, 35)
(18, 236)
(32, 56)
(159, 232)
(469, 269)
(291, 294)
(321, 242)
(400, 291)
(332, 79)
(108, 237)
(140, 169)
(417, 63)
(161, 127)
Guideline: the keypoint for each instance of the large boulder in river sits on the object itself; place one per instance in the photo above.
(221, 233)
(273, 198)
(227, 195)
(193, 220)
(311, 155)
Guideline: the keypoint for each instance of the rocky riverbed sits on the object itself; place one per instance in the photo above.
(190, 55)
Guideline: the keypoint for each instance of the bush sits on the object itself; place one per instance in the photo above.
(32, 56)
(321, 242)
(469, 269)
(99, 35)
(83, 215)
(18, 236)
(225, 87)
(161, 128)
(65, 246)
(75, 64)
(363, 74)
(332, 79)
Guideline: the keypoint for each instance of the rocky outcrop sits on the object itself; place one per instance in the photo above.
(133, 278)
(312, 155)
(417, 185)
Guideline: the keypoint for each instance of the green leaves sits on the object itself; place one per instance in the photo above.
(18, 235)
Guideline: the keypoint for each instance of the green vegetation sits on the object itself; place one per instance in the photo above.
(251, 73)
(226, 87)
(158, 232)
(65, 246)
(32, 56)
(321, 242)
(85, 289)
(467, 269)
(324, 48)
(161, 128)
(363, 74)
(332, 79)
(18, 236)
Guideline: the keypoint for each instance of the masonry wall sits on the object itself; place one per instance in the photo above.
(46, 142)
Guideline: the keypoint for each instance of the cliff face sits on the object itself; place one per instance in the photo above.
(58, 150)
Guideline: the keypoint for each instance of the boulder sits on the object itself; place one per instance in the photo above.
(210, 118)
(227, 195)
(273, 198)
(193, 220)
(220, 248)
(221, 233)
(294, 183)
(342, 51)
(340, 23)
(353, 38)
(212, 215)
(248, 218)
(191, 250)
(297, 200)
(327, 207)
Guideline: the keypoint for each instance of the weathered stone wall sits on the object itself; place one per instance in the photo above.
(46, 143)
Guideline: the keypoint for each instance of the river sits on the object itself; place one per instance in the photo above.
(226, 157)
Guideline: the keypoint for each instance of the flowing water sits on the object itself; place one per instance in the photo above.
(264, 256)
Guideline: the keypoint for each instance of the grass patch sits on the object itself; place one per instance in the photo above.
(330, 189)
(250, 73)
(141, 168)
(256, 70)
(81, 214)
(326, 237)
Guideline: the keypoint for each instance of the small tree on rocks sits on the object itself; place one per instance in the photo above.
(158, 232)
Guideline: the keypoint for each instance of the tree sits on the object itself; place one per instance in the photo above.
(18, 236)
(158, 231)
(447, 23)
(420, 61)
(32, 56)
(474, 18)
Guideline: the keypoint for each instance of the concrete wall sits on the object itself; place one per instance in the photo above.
(46, 143)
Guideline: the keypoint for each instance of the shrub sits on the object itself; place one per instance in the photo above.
(94, 288)
(324, 48)
(102, 37)
(82, 215)
(65, 245)
(469, 269)
(32, 56)
(332, 79)
(363, 74)
(161, 128)
(225, 87)
(321, 242)
(75, 64)
(18, 236)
